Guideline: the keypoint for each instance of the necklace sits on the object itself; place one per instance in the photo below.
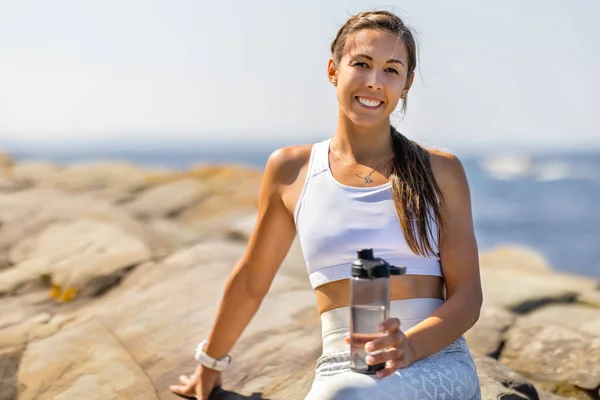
(367, 177)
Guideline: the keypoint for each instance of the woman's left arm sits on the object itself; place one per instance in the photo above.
(460, 268)
(460, 265)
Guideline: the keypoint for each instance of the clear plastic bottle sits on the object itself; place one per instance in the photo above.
(369, 305)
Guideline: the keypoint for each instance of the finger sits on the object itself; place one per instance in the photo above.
(185, 379)
(183, 391)
(389, 325)
(385, 356)
(394, 338)
(390, 367)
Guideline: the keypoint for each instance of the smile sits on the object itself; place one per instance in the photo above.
(369, 103)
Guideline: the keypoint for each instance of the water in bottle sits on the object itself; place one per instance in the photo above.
(369, 306)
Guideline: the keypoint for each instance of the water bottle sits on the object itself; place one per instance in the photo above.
(369, 306)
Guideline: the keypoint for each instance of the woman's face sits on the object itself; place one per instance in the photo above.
(371, 76)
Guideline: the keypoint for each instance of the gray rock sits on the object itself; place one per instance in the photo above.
(517, 258)
(171, 306)
(500, 382)
(485, 337)
(28, 212)
(591, 298)
(71, 255)
(84, 362)
(530, 290)
(35, 173)
(168, 199)
(574, 316)
(9, 366)
(6, 183)
(561, 356)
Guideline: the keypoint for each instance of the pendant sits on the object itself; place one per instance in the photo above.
(367, 179)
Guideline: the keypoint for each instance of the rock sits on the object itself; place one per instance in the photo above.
(591, 298)
(177, 235)
(523, 291)
(5, 160)
(14, 336)
(72, 255)
(242, 227)
(171, 306)
(168, 199)
(114, 182)
(9, 365)
(516, 258)
(92, 176)
(592, 327)
(573, 316)
(530, 281)
(21, 315)
(543, 395)
(34, 173)
(556, 358)
(6, 183)
(485, 337)
(500, 382)
(226, 176)
(234, 189)
(21, 216)
(84, 362)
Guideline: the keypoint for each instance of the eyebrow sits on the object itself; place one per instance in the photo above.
(390, 61)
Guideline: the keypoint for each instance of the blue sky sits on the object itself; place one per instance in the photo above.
(492, 73)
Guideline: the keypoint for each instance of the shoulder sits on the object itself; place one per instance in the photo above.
(286, 164)
(448, 171)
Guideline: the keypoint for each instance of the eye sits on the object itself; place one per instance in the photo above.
(393, 71)
(360, 65)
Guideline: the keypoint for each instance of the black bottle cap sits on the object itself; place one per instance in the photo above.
(365, 254)
(369, 267)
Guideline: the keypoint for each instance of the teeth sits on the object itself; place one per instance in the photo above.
(370, 103)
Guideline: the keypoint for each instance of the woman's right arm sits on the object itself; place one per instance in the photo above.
(251, 278)
(267, 247)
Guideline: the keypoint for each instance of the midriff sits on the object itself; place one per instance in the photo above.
(337, 294)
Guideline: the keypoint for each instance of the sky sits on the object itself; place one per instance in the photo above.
(493, 73)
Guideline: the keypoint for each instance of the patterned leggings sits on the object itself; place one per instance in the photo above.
(449, 374)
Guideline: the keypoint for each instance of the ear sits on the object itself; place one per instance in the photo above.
(409, 83)
(331, 72)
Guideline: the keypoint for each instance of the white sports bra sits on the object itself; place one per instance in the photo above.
(334, 220)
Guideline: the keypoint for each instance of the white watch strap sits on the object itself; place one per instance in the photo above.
(208, 361)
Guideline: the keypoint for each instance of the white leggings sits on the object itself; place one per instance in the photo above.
(449, 374)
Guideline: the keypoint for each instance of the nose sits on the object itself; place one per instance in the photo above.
(374, 80)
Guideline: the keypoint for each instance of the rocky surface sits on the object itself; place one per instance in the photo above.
(110, 274)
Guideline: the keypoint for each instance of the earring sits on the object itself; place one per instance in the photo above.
(334, 83)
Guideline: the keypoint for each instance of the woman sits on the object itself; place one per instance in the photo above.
(367, 186)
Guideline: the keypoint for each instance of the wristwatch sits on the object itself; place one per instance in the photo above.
(208, 361)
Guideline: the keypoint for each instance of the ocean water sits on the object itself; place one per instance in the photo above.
(549, 202)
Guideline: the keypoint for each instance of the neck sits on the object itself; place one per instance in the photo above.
(363, 143)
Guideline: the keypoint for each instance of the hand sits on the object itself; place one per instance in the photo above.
(198, 385)
(397, 351)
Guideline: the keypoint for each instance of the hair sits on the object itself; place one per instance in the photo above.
(416, 194)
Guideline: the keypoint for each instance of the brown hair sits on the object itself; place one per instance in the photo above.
(417, 196)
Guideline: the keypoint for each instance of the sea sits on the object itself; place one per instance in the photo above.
(549, 202)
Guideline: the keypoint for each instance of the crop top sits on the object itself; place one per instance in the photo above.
(334, 220)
